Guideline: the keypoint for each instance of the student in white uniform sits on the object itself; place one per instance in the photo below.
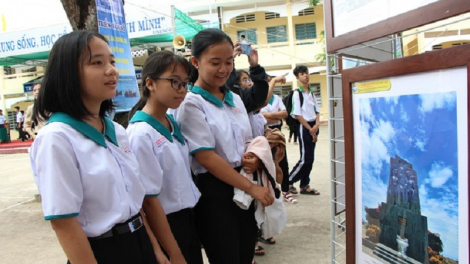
(163, 153)
(308, 129)
(214, 122)
(274, 112)
(86, 173)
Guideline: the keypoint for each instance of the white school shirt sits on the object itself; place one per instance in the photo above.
(275, 105)
(2, 119)
(85, 174)
(164, 162)
(19, 117)
(309, 107)
(257, 122)
(210, 124)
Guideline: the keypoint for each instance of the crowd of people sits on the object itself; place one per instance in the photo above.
(202, 154)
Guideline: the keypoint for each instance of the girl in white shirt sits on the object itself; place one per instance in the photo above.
(215, 124)
(163, 153)
(86, 174)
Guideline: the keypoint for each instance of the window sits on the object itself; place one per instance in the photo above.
(317, 91)
(32, 69)
(307, 11)
(276, 34)
(7, 70)
(282, 90)
(245, 18)
(250, 35)
(305, 31)
(271, 15)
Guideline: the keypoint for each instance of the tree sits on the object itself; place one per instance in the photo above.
(314, 2)
(82, 14)
(435, 242)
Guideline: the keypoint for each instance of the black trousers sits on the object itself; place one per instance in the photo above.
(293, 131)
(183, 227)
(302, 169)
(124, 249)
(22, 134)
(227, 232)
(284, 165)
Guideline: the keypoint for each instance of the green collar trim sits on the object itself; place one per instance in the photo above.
(271, 100)
(228, 98)
(302, 89)
(141, 116)
(86, 129)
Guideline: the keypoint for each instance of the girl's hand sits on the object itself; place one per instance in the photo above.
(262, 194)
(178, 260)
(237, 50)
(161, 258)
(253, 58)
(251, 163)
(281, 79)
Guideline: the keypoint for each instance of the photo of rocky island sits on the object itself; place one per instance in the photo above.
(409, 162)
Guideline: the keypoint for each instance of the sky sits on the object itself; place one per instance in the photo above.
(36, 13)
(421, 129)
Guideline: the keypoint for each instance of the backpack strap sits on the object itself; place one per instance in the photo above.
(301, 97)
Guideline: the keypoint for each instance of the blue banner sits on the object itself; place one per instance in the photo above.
(28, 87)
(112, 25)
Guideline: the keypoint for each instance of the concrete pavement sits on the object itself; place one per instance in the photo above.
(25, 237)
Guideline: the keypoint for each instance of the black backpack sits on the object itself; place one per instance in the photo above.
(287, 100)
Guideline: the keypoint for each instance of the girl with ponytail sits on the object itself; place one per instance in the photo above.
(163, 155)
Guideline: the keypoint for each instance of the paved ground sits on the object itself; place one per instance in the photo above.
(26, 238)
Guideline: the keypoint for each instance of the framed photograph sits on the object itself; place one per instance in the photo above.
(407, 155)
(351, 22)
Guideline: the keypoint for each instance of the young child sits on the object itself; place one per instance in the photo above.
(214, 122)
(86, 174)
(163, 153)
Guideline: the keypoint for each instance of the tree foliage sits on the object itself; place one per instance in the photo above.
(314, 2)
(373, 232)
(435, 242)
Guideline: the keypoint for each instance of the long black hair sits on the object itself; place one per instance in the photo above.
(203, 40)
(60, 86)
(155, 65)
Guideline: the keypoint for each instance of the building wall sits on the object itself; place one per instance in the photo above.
(284, 55)
(454, 30)
(11, 88)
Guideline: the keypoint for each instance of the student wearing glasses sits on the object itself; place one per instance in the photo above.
(163, 153)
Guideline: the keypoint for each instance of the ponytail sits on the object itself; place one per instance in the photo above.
(194, 74)
(137, 107)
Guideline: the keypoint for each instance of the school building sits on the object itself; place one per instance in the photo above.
(285, 34)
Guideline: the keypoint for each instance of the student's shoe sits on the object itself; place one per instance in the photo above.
(293, 190)
(306, 190)
(288, 198)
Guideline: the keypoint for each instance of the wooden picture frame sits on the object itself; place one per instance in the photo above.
(433, 12)
(419, 67)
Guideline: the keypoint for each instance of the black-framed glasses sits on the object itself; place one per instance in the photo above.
(176, 83)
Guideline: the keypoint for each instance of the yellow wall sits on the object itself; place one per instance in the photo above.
(277, 56)
(415, 40)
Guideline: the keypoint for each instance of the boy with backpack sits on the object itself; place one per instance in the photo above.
(304, 108)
